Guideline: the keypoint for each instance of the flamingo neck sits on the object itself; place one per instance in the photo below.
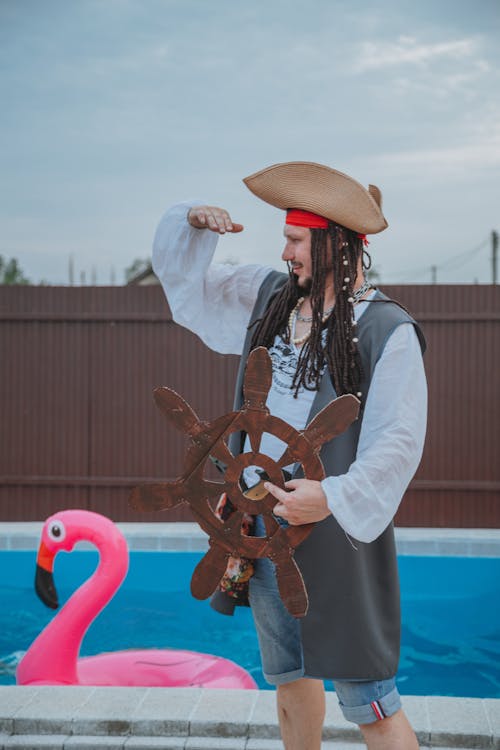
(52, 657)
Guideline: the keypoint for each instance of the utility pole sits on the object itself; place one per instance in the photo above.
(494, 256)
(434, 274)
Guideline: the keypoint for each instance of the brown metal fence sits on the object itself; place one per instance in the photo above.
(79, 427)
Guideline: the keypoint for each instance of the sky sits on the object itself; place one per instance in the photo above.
(112, 110)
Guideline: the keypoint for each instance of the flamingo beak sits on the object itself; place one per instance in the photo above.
(44, 579)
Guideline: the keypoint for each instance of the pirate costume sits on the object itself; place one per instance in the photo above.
(352, 629)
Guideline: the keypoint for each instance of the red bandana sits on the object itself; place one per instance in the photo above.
(299, 218)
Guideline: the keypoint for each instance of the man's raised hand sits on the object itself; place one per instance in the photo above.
(214, 218)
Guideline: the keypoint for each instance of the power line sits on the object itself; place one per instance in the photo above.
(458, 260)
(464, 257)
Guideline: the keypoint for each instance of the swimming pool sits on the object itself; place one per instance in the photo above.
(450, 611)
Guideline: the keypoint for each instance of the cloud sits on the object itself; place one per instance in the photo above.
(118, 108)
(407, 50)
(478, 154)
(446, 70)
(440, 84)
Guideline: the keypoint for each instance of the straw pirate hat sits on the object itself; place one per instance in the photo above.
(321, 190)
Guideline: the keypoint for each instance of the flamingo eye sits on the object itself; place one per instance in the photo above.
(56, 531)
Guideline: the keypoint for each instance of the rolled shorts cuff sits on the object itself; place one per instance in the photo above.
(284, 677)
(377, 710)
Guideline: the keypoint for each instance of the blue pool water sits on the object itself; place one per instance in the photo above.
(450, 612)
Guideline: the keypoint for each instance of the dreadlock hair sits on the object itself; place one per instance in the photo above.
(335, 250)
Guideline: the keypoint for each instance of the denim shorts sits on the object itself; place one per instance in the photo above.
(362, 702)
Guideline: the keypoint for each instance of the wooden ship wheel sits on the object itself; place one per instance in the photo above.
(209, 439)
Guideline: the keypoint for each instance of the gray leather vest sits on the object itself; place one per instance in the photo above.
(352, 628)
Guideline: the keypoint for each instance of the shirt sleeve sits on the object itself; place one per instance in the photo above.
(213, 300)
(366, 498)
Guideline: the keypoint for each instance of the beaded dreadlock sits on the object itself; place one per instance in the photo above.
(340, 352)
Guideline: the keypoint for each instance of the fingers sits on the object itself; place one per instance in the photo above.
(292, 484)
(280, 508)
(302, 501)
(276, 492)
(213, 218)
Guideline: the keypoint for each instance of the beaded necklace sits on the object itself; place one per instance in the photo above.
(295, 315)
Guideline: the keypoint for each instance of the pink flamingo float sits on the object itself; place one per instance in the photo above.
(52, 658)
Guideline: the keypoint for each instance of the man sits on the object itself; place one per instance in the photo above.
(328, 332)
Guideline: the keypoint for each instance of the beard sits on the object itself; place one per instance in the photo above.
(304, 286)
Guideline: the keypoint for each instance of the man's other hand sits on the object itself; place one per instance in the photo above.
(214, 218)
(303, 501)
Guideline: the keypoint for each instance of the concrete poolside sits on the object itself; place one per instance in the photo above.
(201, 719)
(189, 537)
(194, 719)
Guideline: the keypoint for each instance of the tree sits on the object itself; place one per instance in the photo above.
(373, 275)
(10, 272)
(136, 267)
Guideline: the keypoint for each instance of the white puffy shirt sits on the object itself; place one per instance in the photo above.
(215, 302)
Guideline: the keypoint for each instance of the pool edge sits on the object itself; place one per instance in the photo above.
(243, 716)
(188, 537)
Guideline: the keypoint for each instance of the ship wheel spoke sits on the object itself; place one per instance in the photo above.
(208, 572)
(286, 459)
(291, 586)
(297, 534)
(255, 437)
(331, 421)
(258, 380)
(151, 497)
(232, 527)
(271, 524)
(176, 410)
(221, 452)
(213, 490)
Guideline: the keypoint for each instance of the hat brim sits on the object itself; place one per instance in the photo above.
(322, 190)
